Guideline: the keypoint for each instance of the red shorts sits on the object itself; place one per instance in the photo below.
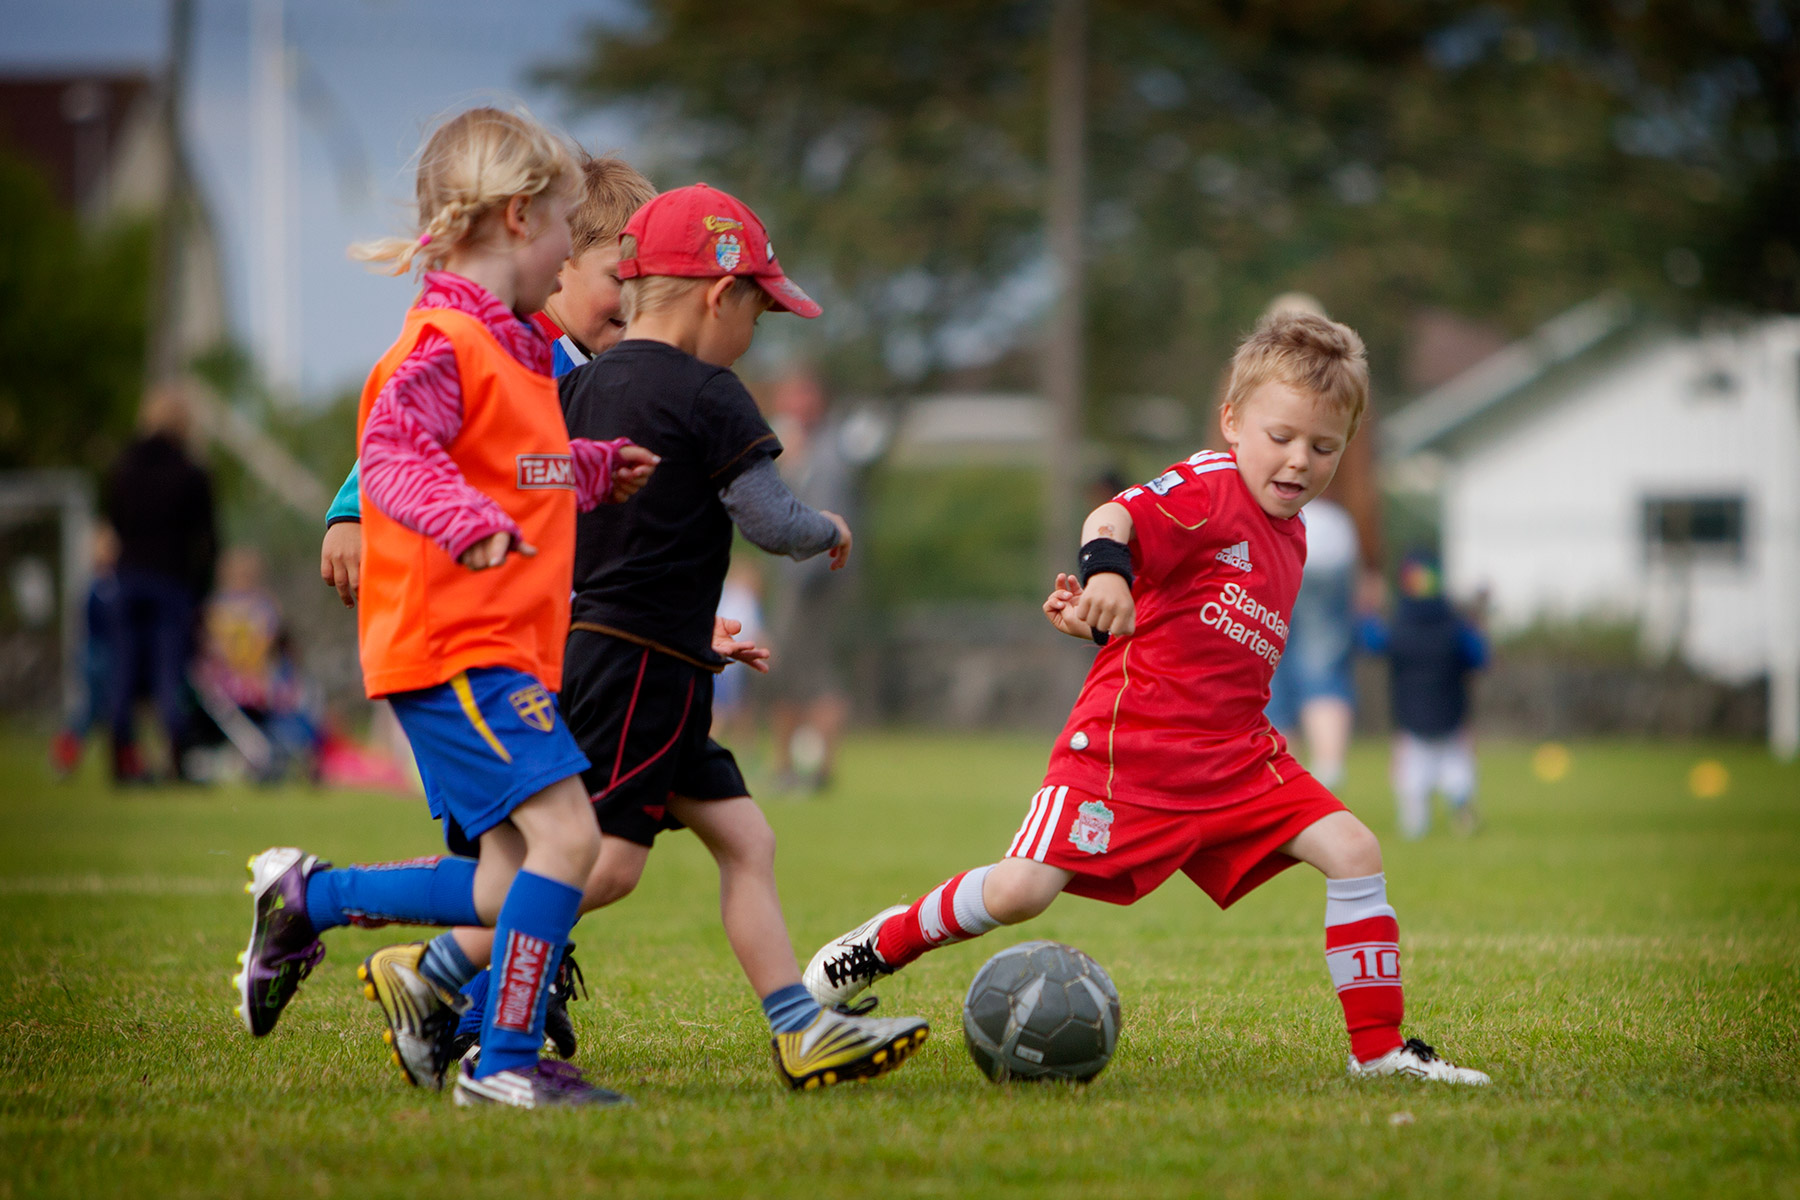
(1120, 852)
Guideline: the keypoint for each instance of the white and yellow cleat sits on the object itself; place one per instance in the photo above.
(1416, 1060)
(838, 1047)
(421, 1018)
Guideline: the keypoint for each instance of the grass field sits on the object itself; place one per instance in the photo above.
(1622, 957)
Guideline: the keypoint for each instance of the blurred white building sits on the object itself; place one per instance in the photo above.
(1602, 468)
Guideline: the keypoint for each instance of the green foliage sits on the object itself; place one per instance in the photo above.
(1502, 160)
(1620, 955)
(73, 312)
(1595, 641)
(953, 533)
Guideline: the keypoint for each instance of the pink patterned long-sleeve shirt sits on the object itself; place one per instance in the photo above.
(406, 470)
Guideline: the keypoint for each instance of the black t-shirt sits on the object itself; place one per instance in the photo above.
(652, 568)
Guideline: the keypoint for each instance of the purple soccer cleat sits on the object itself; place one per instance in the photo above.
(548, 1084)
(284, 947)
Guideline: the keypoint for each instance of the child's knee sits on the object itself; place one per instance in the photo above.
(615, 875)
(1015, 892)
(1359, 850)
(750, 844)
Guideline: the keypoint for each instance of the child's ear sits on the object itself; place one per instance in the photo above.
(716, 293)
(517, 216)
(1229, 424)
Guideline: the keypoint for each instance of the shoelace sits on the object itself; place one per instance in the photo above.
(306, 959)
(859, 962)
(1425, 1053)
(569, 977)
(860, 1008)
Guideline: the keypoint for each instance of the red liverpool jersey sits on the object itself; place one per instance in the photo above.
(1172, 716)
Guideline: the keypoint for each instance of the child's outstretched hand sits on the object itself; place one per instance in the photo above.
(726, 645)
(1059, 606)
(635, 467)
(840, 553)
(492, 550)
(1106, 604)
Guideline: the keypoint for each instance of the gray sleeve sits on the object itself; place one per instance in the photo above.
(773, 518)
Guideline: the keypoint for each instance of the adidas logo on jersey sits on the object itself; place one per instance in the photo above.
(1236, 556)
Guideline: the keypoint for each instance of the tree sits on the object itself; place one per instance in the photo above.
(1503, 160)
(72, 328)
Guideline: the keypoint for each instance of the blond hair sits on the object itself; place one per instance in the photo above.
(1310, 353)
(652, 293)
(472, 164)
(612, 191)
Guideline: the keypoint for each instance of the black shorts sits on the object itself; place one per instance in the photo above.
(643, 718)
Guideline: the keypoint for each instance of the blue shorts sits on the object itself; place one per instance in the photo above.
(486, 741)
(1316, 663)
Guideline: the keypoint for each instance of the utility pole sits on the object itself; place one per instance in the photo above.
(1065, 358)
(163, 362)
(272, 178)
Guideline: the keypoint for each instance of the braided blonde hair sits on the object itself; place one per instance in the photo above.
(472, 164)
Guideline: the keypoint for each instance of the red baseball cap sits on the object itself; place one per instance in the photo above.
(700, 232)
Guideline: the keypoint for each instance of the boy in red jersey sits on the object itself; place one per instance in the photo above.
(1167, 762)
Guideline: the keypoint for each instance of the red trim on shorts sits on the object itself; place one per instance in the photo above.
(681, 725)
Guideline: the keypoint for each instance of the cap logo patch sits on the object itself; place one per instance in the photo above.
(728, 250)
(721, 224)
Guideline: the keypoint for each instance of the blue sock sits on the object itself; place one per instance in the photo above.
(422, 891)
(534, 924)
(445, 964)
(477, 992)
(790, 1009)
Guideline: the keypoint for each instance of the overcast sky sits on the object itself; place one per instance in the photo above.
(389, 66)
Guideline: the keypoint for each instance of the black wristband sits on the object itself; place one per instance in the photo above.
(1101, 556)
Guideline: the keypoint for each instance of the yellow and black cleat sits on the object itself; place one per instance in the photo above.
(838, 1048)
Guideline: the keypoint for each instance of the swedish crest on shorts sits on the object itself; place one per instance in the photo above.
(1092, 831)
(535, 707)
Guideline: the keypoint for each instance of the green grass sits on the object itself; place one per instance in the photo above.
(1622, 957)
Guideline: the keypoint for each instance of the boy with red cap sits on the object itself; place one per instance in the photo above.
(697, 271)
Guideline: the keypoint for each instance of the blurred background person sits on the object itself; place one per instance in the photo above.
(1431, 651)
(160, 503)
(97, 657)
(734, 715)
(809, 705)
(248, 666)
(1313, 692)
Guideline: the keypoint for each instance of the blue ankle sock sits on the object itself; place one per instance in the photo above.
(534, 924)
(477, 992)
(424, 891)
(790, 1009)
(445, 964)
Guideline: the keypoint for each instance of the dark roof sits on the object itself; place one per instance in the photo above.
(1495, 382)
(68, 125)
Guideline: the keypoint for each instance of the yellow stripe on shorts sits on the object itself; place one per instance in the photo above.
(460, 684)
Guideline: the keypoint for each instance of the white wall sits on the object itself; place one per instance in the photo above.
(1548, 514)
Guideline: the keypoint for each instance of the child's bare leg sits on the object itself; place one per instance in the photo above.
(615, 875)
(1362, 935)
(741, 842)
(1339, 845)
(1018, 889)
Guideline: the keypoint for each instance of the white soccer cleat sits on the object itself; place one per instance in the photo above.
(1416, 1060)
(846, 965)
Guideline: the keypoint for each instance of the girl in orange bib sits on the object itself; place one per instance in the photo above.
(470, 489)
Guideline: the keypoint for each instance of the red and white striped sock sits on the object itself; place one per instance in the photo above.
(1362, 952)
(953, 911)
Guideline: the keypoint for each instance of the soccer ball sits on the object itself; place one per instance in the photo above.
(1041, 1010)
